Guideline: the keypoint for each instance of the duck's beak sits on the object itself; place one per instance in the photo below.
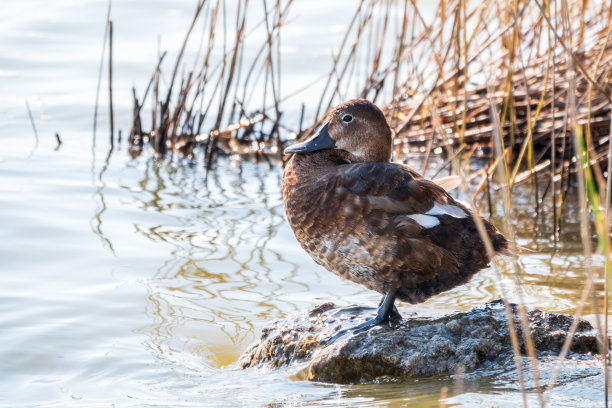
(319, 141)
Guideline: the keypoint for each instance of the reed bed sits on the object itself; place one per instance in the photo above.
(227, 97)
(522, 55)
(516, 54)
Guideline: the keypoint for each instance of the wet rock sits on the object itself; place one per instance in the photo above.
(411, 347)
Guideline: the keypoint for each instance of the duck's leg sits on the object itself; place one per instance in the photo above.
(385, 311)
(395, 314)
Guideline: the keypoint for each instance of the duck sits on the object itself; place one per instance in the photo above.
(375, 222)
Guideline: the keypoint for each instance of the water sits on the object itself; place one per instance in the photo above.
(137, 283)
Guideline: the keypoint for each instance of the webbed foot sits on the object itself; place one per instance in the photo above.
(386, 311)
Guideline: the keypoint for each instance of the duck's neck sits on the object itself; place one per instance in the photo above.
(323, 158)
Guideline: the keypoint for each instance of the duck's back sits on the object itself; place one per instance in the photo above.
(382, 225)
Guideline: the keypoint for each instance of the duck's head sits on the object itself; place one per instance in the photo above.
(356, 127)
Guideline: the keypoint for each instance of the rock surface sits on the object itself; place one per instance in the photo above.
(412, 347)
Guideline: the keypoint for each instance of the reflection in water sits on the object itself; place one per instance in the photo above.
(223, 275)
(99, 183)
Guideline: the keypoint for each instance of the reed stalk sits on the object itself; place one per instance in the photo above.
(110, 85)
(100, 69)
(36, 139)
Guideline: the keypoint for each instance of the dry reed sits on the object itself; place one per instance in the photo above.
(218, 81)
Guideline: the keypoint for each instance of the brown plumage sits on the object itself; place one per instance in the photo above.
(378, 223)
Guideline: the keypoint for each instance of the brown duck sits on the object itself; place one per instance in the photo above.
(378, 223)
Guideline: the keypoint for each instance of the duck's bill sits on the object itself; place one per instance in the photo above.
(319, 141)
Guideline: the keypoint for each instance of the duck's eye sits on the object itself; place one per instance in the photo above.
(347, 118)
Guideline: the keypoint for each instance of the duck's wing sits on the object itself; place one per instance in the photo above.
(399, 190)
(396, 202)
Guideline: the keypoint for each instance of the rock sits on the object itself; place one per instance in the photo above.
(411, 347)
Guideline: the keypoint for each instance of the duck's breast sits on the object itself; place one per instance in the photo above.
(331, 224)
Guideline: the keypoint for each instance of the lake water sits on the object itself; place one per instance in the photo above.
(138, 282)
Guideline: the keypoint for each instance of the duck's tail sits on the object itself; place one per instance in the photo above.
(501, 245)
(512, 250)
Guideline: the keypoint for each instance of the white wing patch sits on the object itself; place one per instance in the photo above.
(425, 221)
(428, 220)
(446, 209)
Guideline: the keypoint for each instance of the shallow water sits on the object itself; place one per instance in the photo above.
(135, 282)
